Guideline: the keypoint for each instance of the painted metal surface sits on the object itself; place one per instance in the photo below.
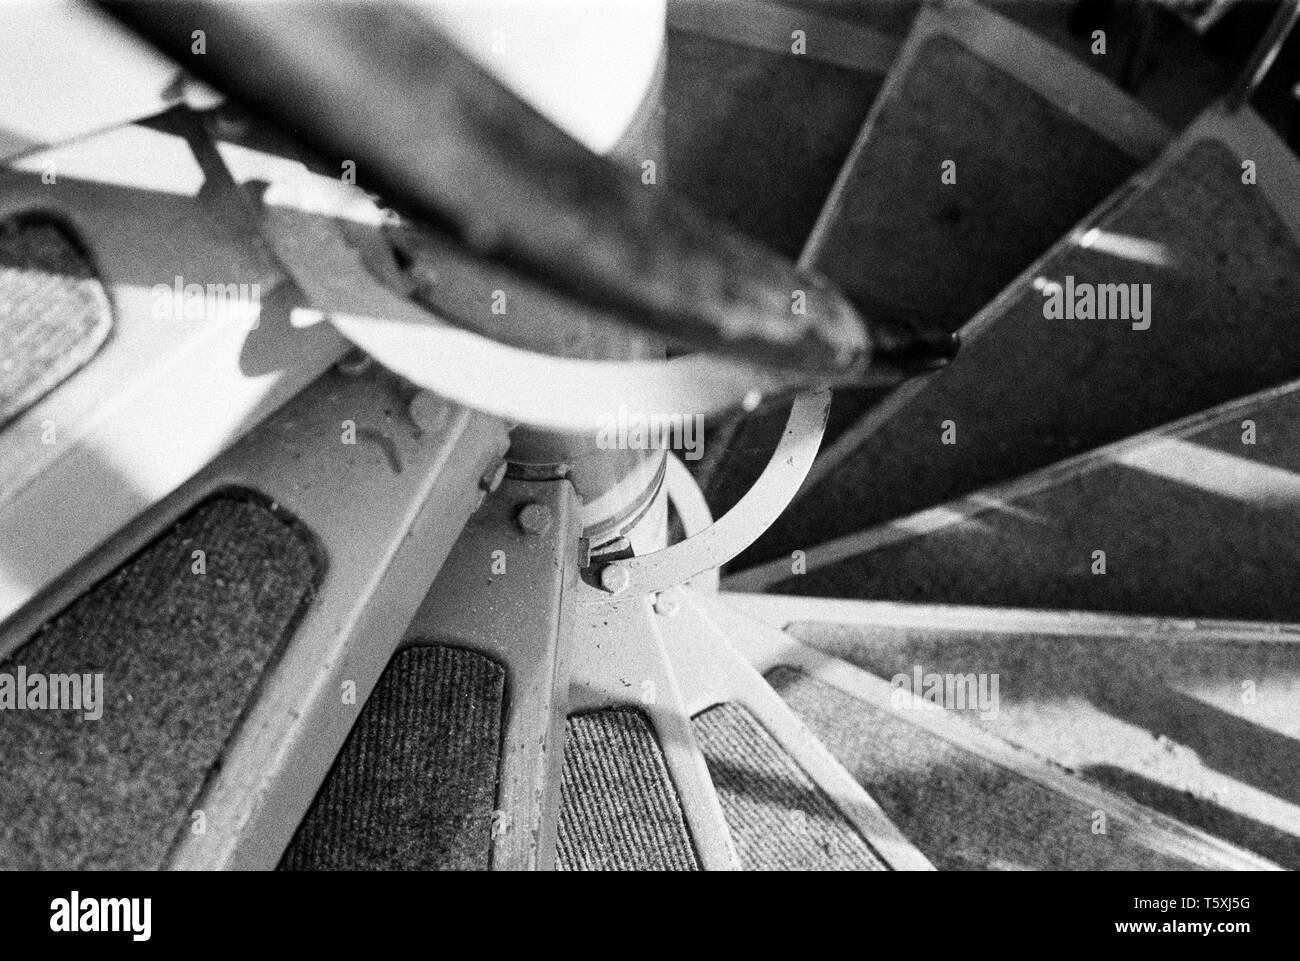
(753, 514)
(700, 637)
(385, 512)
(169, 389)
(620, 660)
(766, 648)
(505, 593)
(68, 71)
(562, 394)
(782, 610)
(692, 509)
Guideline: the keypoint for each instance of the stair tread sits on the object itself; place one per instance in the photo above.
(1160, 719)
(1192, 521)
(755, 134)
(619, 808)
(1224, 269)
(778, 817)
(964, 812)
(415, 785)
(55, 315)
(908, 247)
(1012, 147)
(180, 657)
(787, 802)
(755, 138)
(966, 798)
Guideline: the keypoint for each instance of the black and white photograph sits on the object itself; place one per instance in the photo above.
(650, 435)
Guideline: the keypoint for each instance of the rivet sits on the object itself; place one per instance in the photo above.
(615, 578)
(534, 519)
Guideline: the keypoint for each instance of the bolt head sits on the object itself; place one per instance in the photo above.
(534, 519)
(614, 578)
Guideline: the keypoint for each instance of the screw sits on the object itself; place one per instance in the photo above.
(614, 578)
(665, 604)
(534, 519)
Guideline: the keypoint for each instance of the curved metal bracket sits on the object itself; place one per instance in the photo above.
(740, 526)
(693, 510)
(557, 393)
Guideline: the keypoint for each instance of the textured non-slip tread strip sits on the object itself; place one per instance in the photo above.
(414, 787)
(182, 654)
(700, 637)
(779, 819)
(54, 310)
(619, 810)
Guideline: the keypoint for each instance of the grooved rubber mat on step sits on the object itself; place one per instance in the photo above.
(54, 312)
(779, 819)
(756, 139)
(1225, 287)
(960, 810)
(619, 810)
(181, 655)
(414, 787)
(1161, 720)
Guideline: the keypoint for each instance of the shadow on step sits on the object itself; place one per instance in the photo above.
(1206, 723)
(963, 811)
(1230, 744)
(1263, 839)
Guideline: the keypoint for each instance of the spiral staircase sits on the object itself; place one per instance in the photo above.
(392, 652)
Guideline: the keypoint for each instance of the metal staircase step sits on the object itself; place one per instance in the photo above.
(965, 797)
(160, 663)
(1199, 720)
(757, 132)
(238, 625)
(56, 311)
(414, 787)
(778, 817)
(1196, 519)
(787, 802)
(1036, 141)
(1222, 261)
(97, 426)
(619, 808)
